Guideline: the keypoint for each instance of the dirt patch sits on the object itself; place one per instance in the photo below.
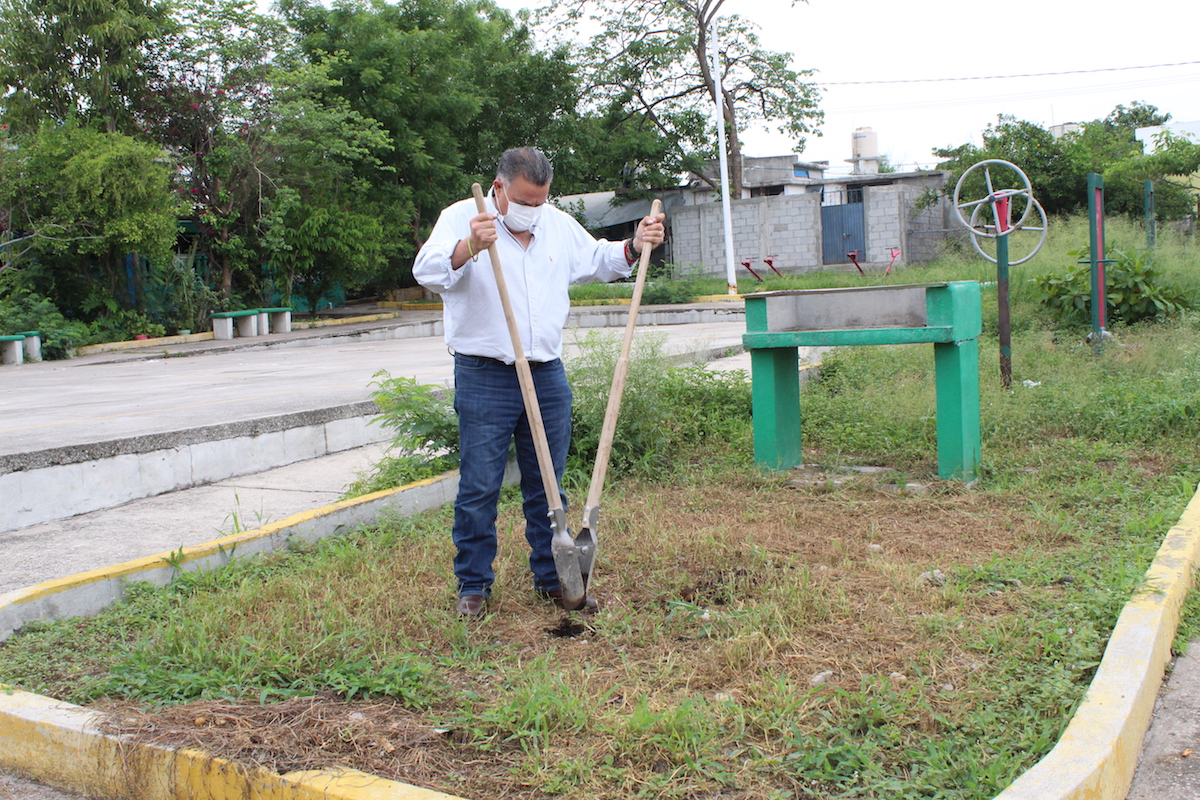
(705, 589)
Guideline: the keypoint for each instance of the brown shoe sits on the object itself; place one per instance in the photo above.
(590, 604)
(470, 605)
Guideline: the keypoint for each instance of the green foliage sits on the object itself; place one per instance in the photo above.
(668, 414)
(123, 325)
(424, 432)
(79, 60)
(24, 311)
(90, 194)
(1133, 287)
(191, 299)
(666, 291)
(647, 68)
(452, 84)
(1058, 168)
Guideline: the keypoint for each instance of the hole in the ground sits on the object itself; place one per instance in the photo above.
(567, 628)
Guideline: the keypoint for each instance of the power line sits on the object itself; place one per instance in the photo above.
(1005, 77)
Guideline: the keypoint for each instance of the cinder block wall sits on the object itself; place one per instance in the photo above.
(786, 227)
(884, 224)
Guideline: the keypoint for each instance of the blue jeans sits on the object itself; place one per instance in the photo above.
(491, 412)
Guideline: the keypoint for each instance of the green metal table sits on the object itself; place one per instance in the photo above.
(947, 315)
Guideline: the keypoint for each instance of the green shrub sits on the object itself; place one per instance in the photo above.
(666, 292)
(123, 325)
(26, 311)
(667, 412)
(424, 431)
(1133, 286)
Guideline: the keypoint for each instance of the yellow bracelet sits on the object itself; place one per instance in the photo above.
(469, 250)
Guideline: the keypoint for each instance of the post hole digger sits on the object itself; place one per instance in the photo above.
(574, 556)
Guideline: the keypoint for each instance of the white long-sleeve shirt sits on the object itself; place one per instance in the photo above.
(560, 253)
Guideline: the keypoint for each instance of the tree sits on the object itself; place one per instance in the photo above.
(1056, 182)
(452, 82)
(322, 227)
(1058, 168)
(89, 60)
(211, 106)
(652, 62)
(91, 196)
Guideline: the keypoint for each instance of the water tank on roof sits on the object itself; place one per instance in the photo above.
(864, 143)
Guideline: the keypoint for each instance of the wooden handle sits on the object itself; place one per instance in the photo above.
(528, 392)
(613, 409)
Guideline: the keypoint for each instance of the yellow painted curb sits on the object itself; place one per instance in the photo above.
(325, 323)
(137, 344)
(1096, 757)
(414, 306)
(606, 301)
(65, 745)
(719, 298)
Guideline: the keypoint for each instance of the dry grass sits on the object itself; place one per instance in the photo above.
(721, 601)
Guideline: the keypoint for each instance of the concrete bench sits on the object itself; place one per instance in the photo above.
(947, 315)
(251, 322)
(275, 320)
(18, 348)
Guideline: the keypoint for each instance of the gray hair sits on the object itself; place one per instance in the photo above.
(525, 162)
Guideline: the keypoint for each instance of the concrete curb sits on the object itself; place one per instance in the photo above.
(1097, 754)
(51, 484)
(90, 592)
(138, 344)
(64, 745)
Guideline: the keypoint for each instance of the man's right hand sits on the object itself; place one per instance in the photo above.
(483, 232)
(483, 235)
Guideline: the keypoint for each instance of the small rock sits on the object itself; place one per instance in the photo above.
(1013, 582)
(200, 722)
(821, 678)
(356, 716)
(875, 548)
(898, 677)
(947, 687)
(933, 577)
(723, 697)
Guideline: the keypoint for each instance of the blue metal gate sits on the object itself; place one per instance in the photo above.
(842, 225)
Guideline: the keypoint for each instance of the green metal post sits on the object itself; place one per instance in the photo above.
(775, 404)
(1151, 217)
(1096, 241)
(956, 367)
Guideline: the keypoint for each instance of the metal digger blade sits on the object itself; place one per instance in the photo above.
(567, 562)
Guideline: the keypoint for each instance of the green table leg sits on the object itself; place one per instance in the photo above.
(775, 397)
(958, 436)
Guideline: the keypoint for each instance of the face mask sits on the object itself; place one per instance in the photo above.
(520, 218)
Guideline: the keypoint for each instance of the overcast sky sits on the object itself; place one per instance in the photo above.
(885, 40)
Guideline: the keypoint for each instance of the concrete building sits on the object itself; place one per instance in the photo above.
(791, 213)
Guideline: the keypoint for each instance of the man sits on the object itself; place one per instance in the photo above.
(542, 251)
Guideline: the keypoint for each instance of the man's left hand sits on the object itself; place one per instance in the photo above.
(650, 231)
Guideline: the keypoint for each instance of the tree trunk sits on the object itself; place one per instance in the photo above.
(735, 149)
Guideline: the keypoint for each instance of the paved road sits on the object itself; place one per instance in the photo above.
(114, 396)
